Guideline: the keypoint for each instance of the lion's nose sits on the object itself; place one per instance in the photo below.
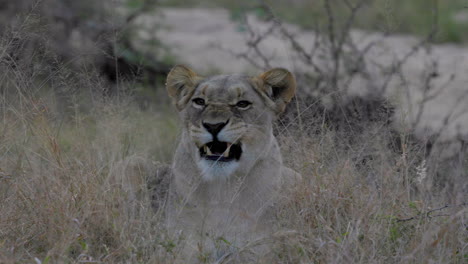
(214, 128)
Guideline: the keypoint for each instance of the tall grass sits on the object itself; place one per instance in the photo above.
(363, 203)
(74, 165)
(66, 185)
(71, 170)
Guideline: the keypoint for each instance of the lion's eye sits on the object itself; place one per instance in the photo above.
(199, 101)
(243, 104)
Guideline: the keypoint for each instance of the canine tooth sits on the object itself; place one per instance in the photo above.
(228, 149)
(204, 148)
(208, 151)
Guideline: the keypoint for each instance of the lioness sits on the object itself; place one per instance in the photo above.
(227, 170)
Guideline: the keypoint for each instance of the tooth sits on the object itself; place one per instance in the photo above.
(204, 148)
(208, 151)
(226, 152)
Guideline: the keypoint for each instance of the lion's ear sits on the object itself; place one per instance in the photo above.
(180, 85)
(280, 86)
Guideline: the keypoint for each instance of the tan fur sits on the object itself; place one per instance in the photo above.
(180, 79)
(218, 200)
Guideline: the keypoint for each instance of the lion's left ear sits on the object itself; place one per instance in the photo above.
(279, 85)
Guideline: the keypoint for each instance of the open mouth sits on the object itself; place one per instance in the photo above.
(221, 151)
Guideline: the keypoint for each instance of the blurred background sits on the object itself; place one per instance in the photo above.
(381, 115)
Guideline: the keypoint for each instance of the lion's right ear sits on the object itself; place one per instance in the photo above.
(180, 85)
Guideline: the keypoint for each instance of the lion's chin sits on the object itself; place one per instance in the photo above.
(214, 170)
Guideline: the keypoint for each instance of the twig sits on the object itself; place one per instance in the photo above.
(428, 214)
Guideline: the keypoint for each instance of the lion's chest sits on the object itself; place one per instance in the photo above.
(227, 209)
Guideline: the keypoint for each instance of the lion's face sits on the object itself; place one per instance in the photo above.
(229, 124)
(228, 118)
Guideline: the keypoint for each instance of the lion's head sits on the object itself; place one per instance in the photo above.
(228, 118)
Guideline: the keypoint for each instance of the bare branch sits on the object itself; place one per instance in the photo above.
(429, 213)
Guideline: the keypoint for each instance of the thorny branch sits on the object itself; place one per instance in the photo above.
(253, 41)
(307, 57)
(336, 60)
(429, 214)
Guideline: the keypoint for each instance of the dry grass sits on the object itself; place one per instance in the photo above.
(65, 193)
(357, 212)
(72, 192)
